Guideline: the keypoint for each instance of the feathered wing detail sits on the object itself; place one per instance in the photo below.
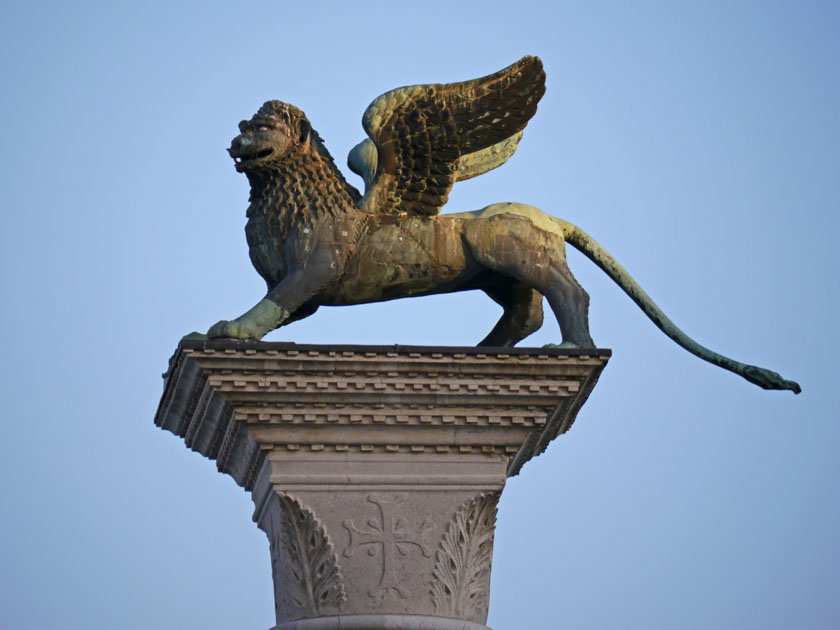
(362, 159)
(421, 133)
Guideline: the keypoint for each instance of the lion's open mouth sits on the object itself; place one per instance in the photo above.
(250, 157)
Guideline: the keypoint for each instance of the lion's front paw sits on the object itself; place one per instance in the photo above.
(230, 330)
(263, 318)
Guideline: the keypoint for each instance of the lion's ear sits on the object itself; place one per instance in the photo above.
(305, 129)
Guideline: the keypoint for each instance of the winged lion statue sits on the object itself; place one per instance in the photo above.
(316, 240)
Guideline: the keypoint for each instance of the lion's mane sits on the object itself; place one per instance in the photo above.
(306, 185)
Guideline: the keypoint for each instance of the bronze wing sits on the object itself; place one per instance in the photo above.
(428, 136)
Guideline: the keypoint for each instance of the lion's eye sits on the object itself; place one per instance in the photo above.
(262, 128)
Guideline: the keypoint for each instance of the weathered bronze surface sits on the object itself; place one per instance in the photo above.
(317, 241)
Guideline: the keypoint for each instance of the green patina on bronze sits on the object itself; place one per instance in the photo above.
(317, 241)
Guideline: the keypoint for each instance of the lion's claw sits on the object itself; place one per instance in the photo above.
(229, 330)
(570, 345)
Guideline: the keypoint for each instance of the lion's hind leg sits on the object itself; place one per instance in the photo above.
(515, 247)
(523, 313)
(570, 304)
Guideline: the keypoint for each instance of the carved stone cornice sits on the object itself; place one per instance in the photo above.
(511, 402)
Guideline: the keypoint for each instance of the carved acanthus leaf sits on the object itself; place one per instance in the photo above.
(461, 584)
(307, 578)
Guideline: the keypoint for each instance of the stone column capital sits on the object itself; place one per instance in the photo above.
(375, 470)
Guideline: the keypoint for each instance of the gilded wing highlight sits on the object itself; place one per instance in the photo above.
(479, 162)
(421, 133)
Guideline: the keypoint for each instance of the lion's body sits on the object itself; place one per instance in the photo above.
(513, 252)
(402, 256)
(305, 221)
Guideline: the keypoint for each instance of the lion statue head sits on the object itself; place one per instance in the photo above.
(273, 133)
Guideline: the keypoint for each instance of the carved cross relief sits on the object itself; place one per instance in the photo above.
(387, 536)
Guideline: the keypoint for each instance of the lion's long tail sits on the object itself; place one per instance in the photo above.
(601, 257)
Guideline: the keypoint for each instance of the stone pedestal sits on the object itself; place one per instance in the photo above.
(375, 471)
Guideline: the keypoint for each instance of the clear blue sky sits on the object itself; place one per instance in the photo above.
(699, 142)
